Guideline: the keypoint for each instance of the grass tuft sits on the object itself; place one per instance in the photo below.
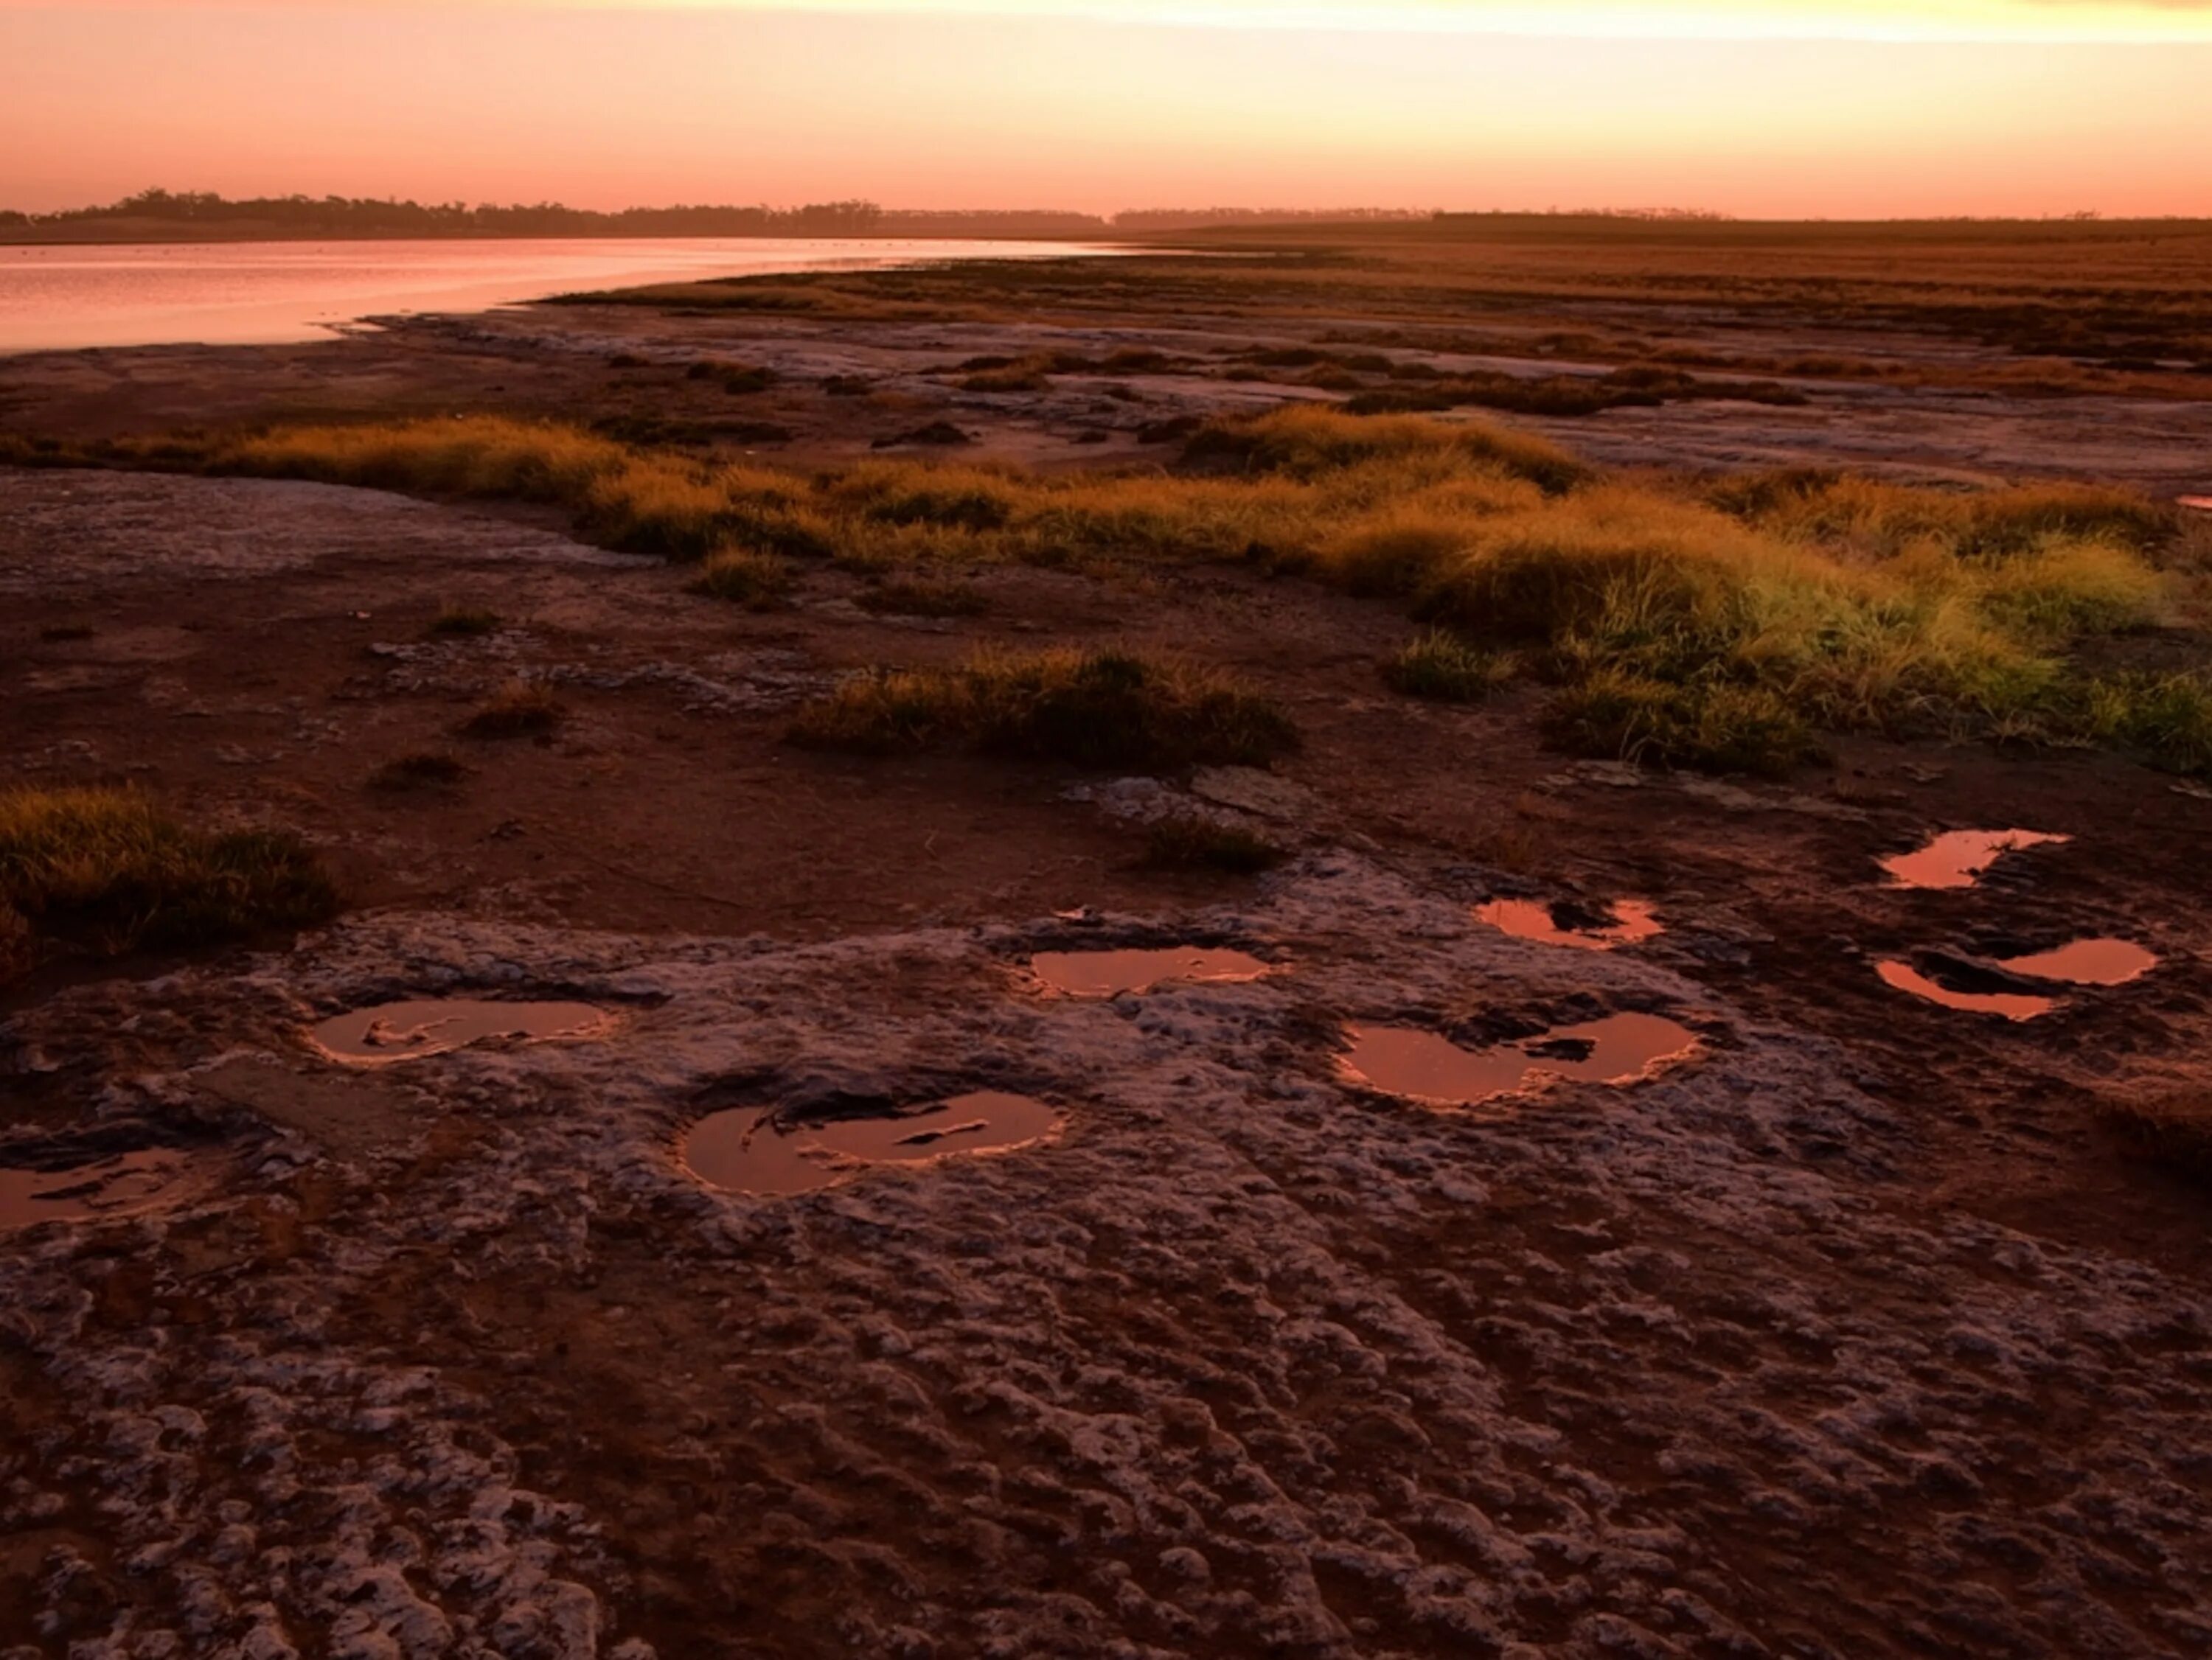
(465, 622)
(102, 872)
(425, 769)
(1197, 844)
(1090, 709)
(1713, 728)
(519, 709)
(757, 581)
(1444, 668)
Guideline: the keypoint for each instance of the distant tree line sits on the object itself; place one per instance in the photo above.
(340, 215)
(203, 213)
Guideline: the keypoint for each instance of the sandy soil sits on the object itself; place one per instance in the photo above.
(1849, 1336)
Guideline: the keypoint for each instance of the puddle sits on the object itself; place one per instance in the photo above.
(2195, 504)
(1632, 921)
(2086, 962)
(121, 1185)
(1423, 1066)
(2013, 1005)
(1958, 857)
(1109, 973)
(406, 1030)
(744, 1151)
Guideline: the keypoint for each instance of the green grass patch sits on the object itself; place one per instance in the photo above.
(1444, 668)
(1712, 728)
(1107, 709)
(2164, 719)
(102, 872)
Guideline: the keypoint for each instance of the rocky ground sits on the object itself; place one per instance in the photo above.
(1848, 1334)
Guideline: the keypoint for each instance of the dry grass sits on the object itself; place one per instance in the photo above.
(1444, 668)
(1196, 844)
(465, 622)
(742, 576)
(425, 769)
(1090, 709)
(1711, 625)
(102, 872)
(519, 709)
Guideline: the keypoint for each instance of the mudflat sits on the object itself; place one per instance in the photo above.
(1550, 645)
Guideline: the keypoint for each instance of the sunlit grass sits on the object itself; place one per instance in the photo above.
(1444, 668)
(1723, 623)
(101, 872)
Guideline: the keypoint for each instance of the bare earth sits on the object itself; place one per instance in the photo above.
(1850, 1334)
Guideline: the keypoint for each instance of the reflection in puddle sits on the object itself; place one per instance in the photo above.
(2087, 962)
(119, 1186)
(2196, 503)
(2016, 1006)
(2013, 1005)
(745, 1151)
(1423, 1066)
(1633, 921)
(404, 1031)
(1957, 858)
(1109, 973)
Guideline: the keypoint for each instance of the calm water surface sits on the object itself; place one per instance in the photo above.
(269, 292)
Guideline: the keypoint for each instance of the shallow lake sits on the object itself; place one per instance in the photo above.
(271, 292)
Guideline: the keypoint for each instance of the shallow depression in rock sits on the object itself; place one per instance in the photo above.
(745, 1151)
(2013, 1005)
(406, 1030)
(2087, 962)
(1109, 973)
(1425, 1066)
(1957, 858)
(120, 1185)
(1631, 921)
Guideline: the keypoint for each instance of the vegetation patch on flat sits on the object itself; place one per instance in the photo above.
(1190, 843)
(1724, 622)
(1090, 709)
(519, 709)
(101, 872)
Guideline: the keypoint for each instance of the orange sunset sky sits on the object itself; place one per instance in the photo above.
(1758, 108)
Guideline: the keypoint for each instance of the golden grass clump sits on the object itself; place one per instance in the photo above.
(1090, 709)
(102, 872)
(1306, 442)
(757, 581)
